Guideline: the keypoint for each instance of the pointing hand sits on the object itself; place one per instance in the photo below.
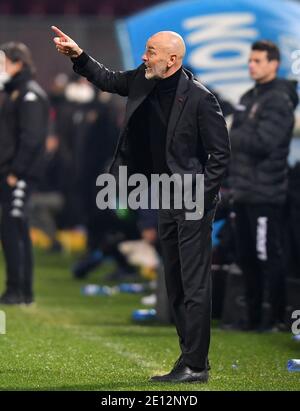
(65, 45)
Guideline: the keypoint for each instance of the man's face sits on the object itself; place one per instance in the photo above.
(12, 68)
(156, 60)
(260, 68)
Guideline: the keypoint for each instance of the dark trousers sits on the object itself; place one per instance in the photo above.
(186, 250)
(15, 238)
(259, 235)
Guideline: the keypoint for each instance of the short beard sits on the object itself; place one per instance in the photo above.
(149, 76)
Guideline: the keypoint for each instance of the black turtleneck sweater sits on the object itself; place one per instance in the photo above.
(159, 104)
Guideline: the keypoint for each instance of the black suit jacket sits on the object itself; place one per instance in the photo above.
(197, 137)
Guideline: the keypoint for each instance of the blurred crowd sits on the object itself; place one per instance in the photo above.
(84, 125)
(83, 131)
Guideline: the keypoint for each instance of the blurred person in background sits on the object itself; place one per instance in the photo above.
(260, 138)
(91, 136)
(73, 107)
(23, 128)
(47, 198)
(85, 128)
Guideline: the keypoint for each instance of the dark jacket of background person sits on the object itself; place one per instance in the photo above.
(260, 139)
(23, 127)
(198, 143)
(292, 228)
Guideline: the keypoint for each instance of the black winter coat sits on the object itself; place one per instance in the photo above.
(197, 137)
(23, 127)
(260, 138)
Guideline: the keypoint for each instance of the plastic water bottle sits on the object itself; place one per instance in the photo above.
(94, 289)
(293, 365)
(144, 315)
(132, 288)
(235, 365)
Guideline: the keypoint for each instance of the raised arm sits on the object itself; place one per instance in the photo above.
(107, 80)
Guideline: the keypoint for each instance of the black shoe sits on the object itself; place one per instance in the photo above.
(208, 365)
(56, 247)
(10, 298)
(249, 327)
(179, 363)
(275, 327)
(182, 375)
(28, 300)
(279, 327)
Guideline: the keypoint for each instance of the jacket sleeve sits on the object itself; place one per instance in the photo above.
(215, 141)
(32, 124)
(107, 80)
(260, 136)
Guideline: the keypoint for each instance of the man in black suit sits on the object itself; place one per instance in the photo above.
(173, 124)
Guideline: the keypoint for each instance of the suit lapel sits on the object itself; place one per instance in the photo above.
(178, 105)
(143, 89)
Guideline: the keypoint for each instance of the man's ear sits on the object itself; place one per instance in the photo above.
(275, 64)
(172, 60)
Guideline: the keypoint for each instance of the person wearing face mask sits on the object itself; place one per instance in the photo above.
(23, 128)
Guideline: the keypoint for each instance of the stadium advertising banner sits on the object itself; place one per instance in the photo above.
(218, 36)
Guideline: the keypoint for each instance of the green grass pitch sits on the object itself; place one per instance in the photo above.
(72, 342)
